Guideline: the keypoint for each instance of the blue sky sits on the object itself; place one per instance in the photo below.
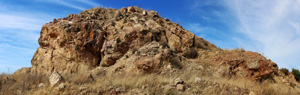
(270, 27)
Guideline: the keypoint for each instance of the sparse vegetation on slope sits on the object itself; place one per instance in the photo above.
(296, 73)
(284, 70)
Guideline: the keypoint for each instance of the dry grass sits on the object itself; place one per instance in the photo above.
(153, 83)
(20, 84)
(161, 84)
(236, 50)
(79, 79)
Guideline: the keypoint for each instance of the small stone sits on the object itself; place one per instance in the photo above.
(70, 16)
(113, 92)
(41, 85)
(178, 81)
(180, 87)
(200, 67)
(61, 86)
(235, 88)
(253, 65)
(118, 89)
(55, 78)
(169, 67)
(130, 9)
(252, 93)
(144, 12)
(55, 21)
(197, 80)
(82, 88)
(224, 93)
(284, 80)
(111, 87)
(19, 92)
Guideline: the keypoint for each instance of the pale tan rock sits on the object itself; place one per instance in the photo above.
(252, 93)
(169, 67)
(178, 81)
(144, 12)
(82, 88)
(197, 80)
(130, 9)
(55, 78)
(180, 87)
(41, 85)
(61, 86)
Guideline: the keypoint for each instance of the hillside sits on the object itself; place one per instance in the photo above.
(135, 51)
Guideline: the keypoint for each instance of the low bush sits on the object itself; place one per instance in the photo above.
(190, 53)
(201, 43)
(175, 62)
(296, 74)
(284, 70)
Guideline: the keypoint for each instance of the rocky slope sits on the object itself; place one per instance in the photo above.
(112, 44)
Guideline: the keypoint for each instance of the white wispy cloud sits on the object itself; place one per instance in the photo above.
(69, 4)
(90, 3)
(274, 26)
(76, 4)
(20, 27)
(19, 32)
(268, 27)
(19, 22)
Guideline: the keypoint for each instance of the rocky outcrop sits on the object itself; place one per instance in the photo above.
(133, 39)
(245, 64)
(100, 37)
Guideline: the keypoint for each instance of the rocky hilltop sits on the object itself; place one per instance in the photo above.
(104, 37)
(100, 37)
(136, 51)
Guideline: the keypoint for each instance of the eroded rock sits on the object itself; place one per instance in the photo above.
(245, 64)
(55, 78)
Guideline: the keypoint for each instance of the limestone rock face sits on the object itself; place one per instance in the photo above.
(100, 37)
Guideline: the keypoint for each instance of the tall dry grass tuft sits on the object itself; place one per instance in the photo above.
(80, 78)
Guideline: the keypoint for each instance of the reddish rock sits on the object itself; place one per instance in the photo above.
(245, 64)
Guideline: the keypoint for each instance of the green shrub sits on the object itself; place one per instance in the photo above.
(296, 74)
(284, 70)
